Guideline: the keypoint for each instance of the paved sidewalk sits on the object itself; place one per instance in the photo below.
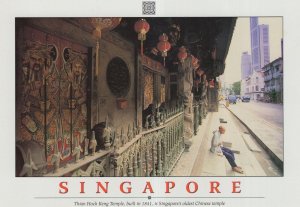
(199, 161)
(186, 162)
(219, 166)
(246, 158)
(267, 134)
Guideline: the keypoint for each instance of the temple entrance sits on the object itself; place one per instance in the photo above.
(52, 94)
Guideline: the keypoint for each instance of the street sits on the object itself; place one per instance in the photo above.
(266, 120)
(270, 113)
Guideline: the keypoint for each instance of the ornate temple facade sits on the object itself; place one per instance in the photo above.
(114, 96)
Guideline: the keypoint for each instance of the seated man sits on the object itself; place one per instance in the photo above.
(216, 147)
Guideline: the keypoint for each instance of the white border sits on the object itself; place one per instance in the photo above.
(283, 191)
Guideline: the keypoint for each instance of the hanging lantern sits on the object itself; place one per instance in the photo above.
(182, 54)
(163, 45)
(141, 27)
(101, 24)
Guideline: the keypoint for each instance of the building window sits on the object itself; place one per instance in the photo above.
(255, 58)
(256, 88)
(118, 77)
(272, 82)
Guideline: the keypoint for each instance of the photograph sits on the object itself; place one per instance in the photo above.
(149, 103)
(149, 96)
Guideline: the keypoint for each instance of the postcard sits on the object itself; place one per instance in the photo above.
(113, 104)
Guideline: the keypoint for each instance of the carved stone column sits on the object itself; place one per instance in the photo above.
(196, 118)
(200, 112)
(186, 83)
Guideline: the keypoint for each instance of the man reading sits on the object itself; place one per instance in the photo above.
(216, 147)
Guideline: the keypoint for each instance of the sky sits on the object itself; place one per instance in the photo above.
(241, 43)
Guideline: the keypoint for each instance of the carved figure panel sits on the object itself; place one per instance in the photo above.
(148, 88)
(52, 93)
(73, 102)
(38, 72)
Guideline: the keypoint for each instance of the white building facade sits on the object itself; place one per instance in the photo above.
(254, 86)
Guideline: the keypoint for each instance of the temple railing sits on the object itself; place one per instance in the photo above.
(96, 165)
(200, 112)
(153, 152)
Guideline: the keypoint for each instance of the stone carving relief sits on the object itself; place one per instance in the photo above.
(185, 70)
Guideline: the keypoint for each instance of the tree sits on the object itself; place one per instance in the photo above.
(236, 87)
(272, 96)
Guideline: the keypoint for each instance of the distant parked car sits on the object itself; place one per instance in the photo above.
(245, 99)
(232, 99)
(264, 99)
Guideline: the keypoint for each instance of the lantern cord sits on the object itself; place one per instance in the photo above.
(97, 57)
(142, 52)
(96, 74)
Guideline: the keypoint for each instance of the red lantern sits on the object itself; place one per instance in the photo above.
(182, 54)
(141, 27)
(163, 46)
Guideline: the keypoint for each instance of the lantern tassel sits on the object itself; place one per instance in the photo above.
(164, 62)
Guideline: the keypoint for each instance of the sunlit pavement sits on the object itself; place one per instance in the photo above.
(265, 120)
(199, 161)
